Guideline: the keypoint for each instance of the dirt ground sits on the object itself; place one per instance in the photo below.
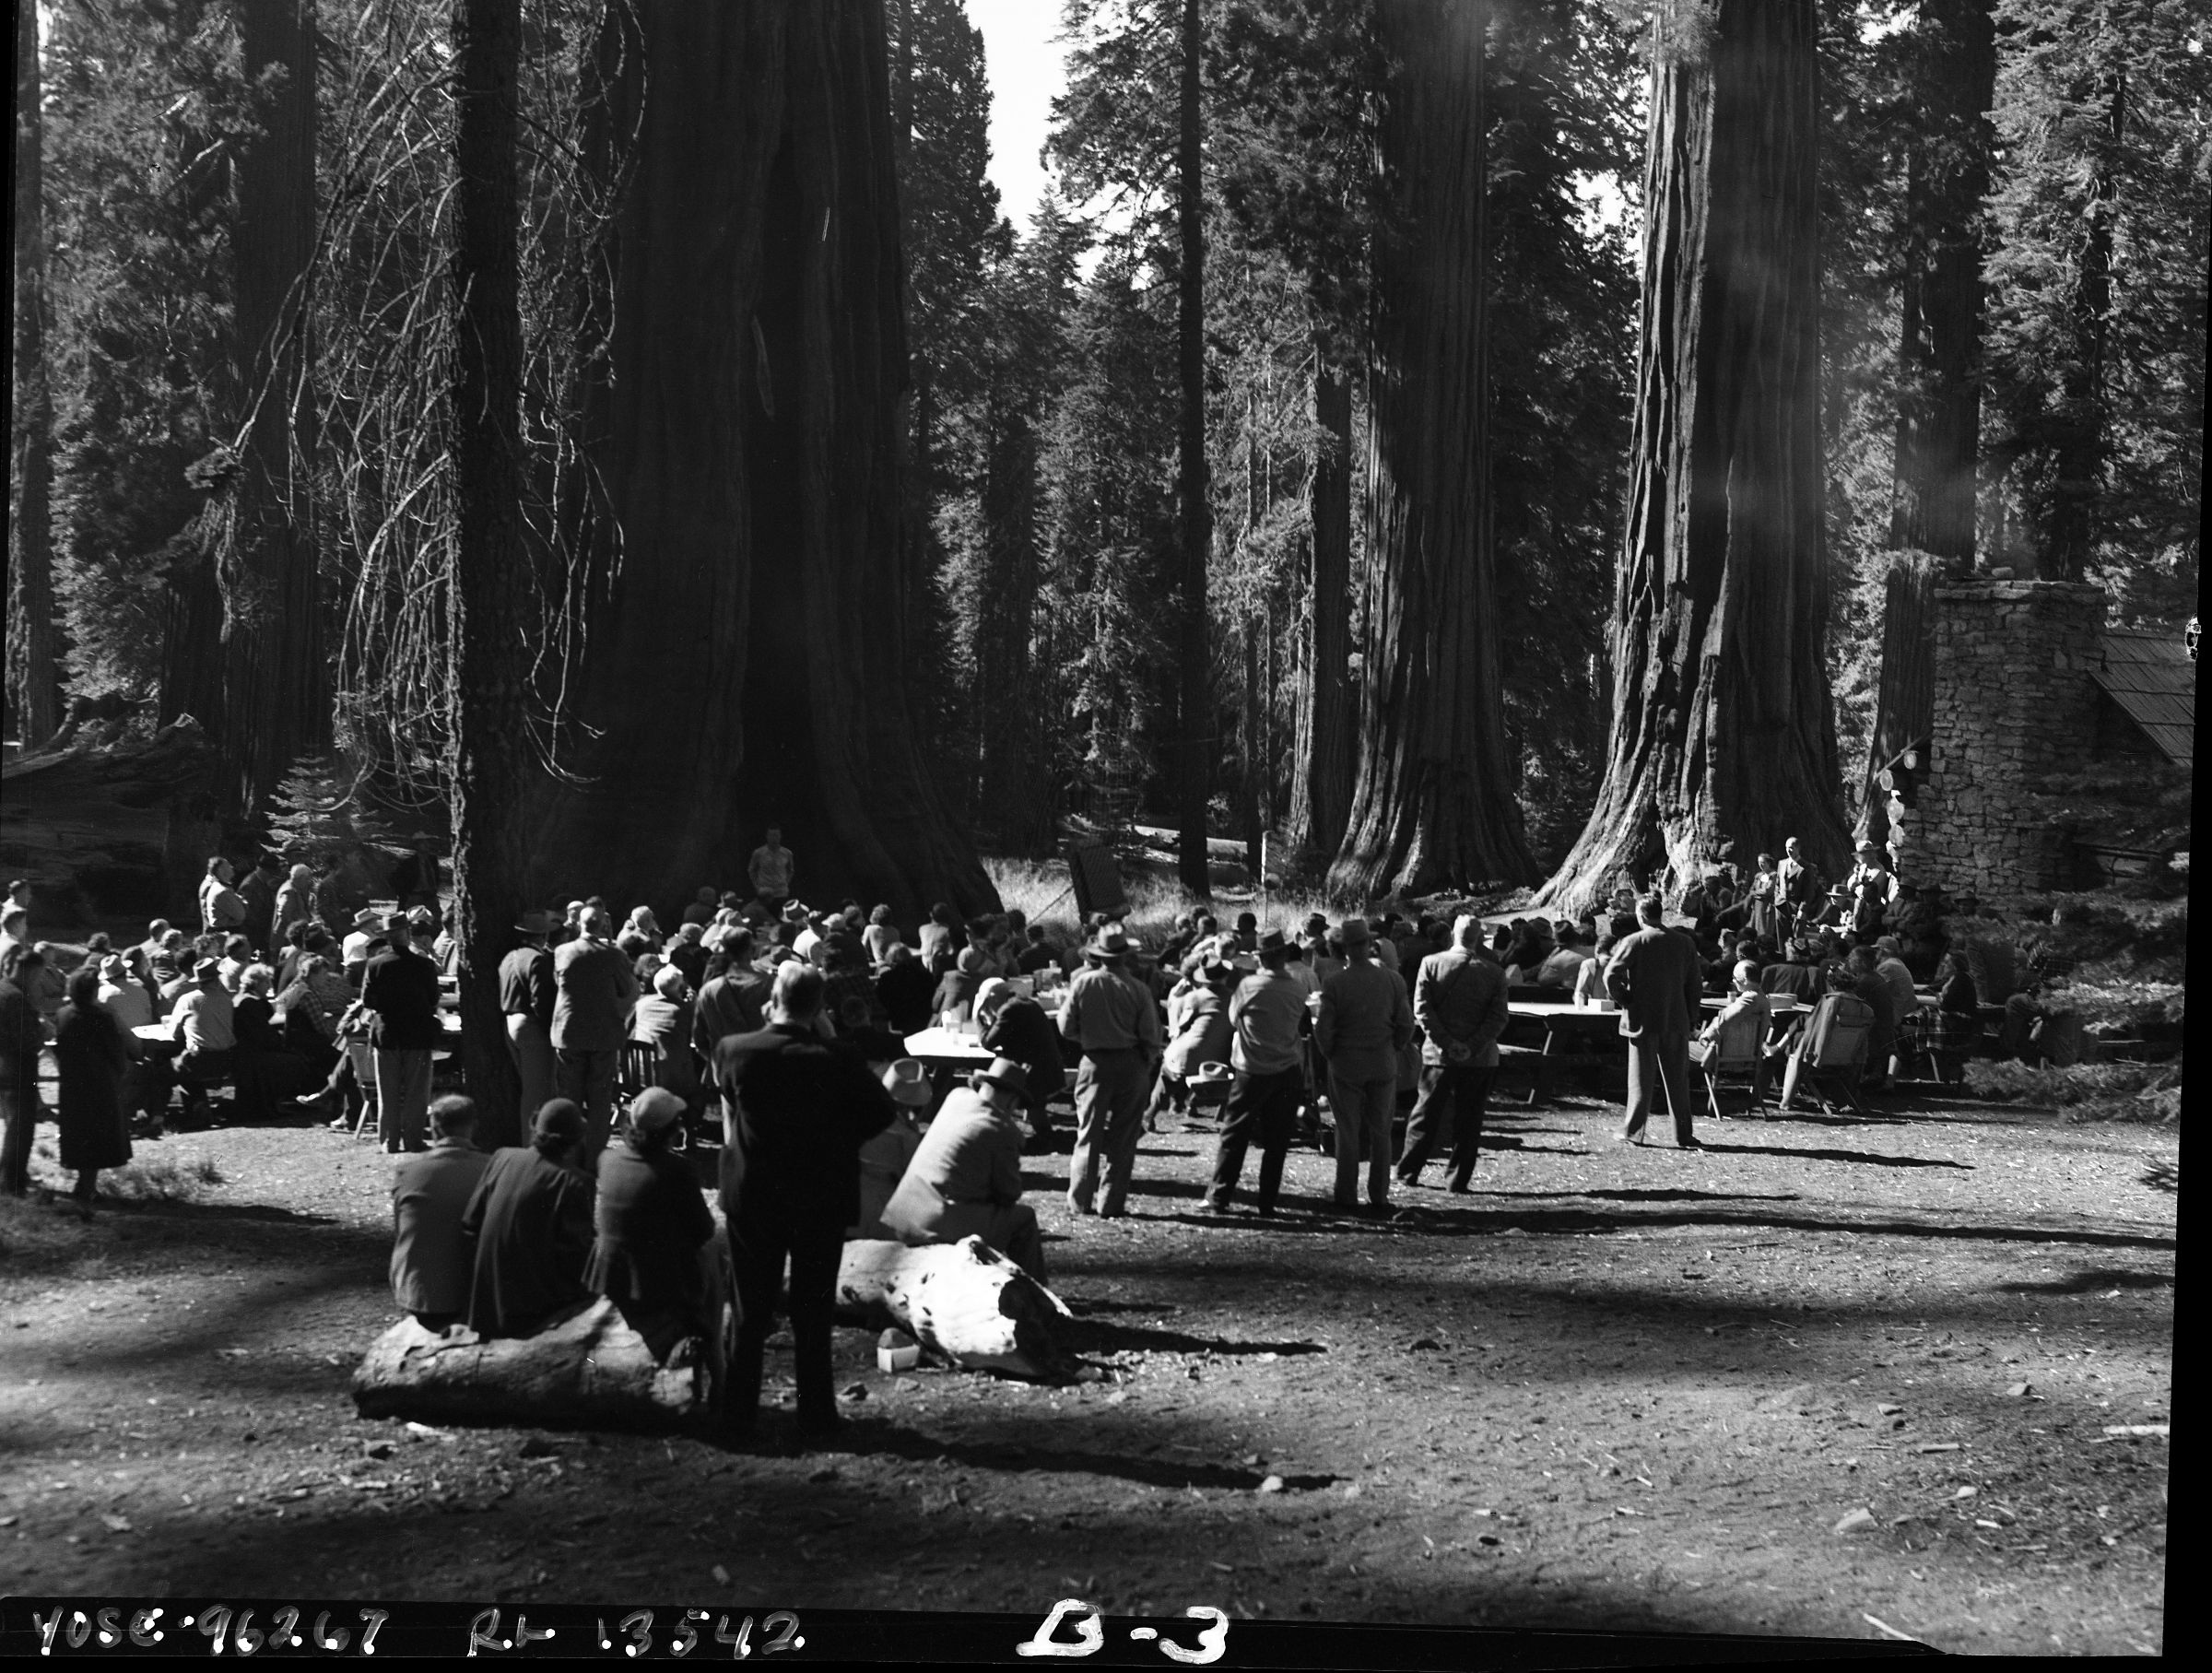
(1620, 1388)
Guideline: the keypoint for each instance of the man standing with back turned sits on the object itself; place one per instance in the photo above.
(1110, 1018)
(795, 1111)
(1459, 1000)
(1655, 979)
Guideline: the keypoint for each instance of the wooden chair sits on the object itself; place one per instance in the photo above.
(638, 1067)
(1831, 1052)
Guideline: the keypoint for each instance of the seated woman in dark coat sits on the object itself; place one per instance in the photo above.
(652, 1223)
(263, 1062)
(904, 990)
(88, 1047)
(530, 1225)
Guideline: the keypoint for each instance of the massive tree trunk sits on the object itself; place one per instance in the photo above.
(1321, 783)
(1195, 750)
(491, 609)
(1722, 741)
(1433, 808)
(275, 705)
(1939, 407)
(746, 408)
(2081, 436)
(1939, 352)
(33, 680)
(1007, 701)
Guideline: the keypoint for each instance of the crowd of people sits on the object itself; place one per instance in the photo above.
(780, 1029)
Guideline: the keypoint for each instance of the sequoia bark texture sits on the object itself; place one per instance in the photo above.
(1433, 806)
(745, 660)
(491, 608)
(33, 680)
(1723, 743)
(1904, 712)
(1321, 785)
(275, 703)
(1195, 744)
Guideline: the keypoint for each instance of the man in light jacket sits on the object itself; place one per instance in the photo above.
(965, 1179)
(431, 1261)
(1459, 1001)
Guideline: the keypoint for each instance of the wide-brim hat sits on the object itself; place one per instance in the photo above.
(794, 912)
(1210, 1074)
(1109, 943)
(1272, 940)
(907, 1081)
(1005, 1072)
(534, 923)
(1870, 846)
(1216, 970)
(1356, 932)
(368, 918)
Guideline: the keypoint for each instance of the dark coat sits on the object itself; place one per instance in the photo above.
(88, 1045)
(803, 1108)
(651, 1221)
(431, 1256)
(1022, 1030)
(530, 1222)
(905, 991)
(402, 989)
(1656, 980)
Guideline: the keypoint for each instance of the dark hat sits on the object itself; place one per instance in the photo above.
(1217, 971)
(1005, 1072)
(535, 922)
(1272, 940)
(1110, 942)
(200, 971)
(1357, 933)
(558, 1118)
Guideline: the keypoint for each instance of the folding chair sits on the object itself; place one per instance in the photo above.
(1832, 1052)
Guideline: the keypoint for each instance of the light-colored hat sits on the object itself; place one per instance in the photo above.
(1111, 943)
(994, 992)
(368, 918)
(1212, 1074)
(654, 1110)
(907, 1081)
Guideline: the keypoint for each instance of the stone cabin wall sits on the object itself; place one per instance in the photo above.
(2015, 701)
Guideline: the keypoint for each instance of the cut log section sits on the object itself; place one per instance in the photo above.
(591, 1370)
(963, 1300)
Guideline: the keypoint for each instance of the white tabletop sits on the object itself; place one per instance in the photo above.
(942, 1044)
(153, 1030)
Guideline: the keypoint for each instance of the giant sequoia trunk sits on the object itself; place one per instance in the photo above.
(2081, 433)
(1722, 741)
(1940, 351)
(1195, 708)
(1939, 405)
(745, 662)
(1321, 785)
(275, 705)
(491, 611)
(33, 682)
(1433, 806)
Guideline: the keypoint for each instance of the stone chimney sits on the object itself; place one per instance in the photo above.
(2014, 703)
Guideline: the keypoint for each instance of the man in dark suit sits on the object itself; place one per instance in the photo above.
(1656, 978)
(527, 994)
(400, 986)
(431, 1263)
(530, 1225)
(796, 1109)
(652, 1223)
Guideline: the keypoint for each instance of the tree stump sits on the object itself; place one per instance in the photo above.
(591, 1370)
(964, 1301)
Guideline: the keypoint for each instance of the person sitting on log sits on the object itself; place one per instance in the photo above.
(652, 1223)
(529, 1228)
(965, 1180)
(795, 1111)
(431, 1269)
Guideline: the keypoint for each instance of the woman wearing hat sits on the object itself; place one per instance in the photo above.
(965, 1179)
(651, 1224)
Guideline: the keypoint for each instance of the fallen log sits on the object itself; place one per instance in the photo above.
(963, 1300)
(590, 1370)
(108, 827)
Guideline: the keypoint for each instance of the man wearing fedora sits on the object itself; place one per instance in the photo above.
(1111, 1019)
(884, 1157)
(965, 1180)
(1012, 1024)
(1266, 1014)
(527, 992)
